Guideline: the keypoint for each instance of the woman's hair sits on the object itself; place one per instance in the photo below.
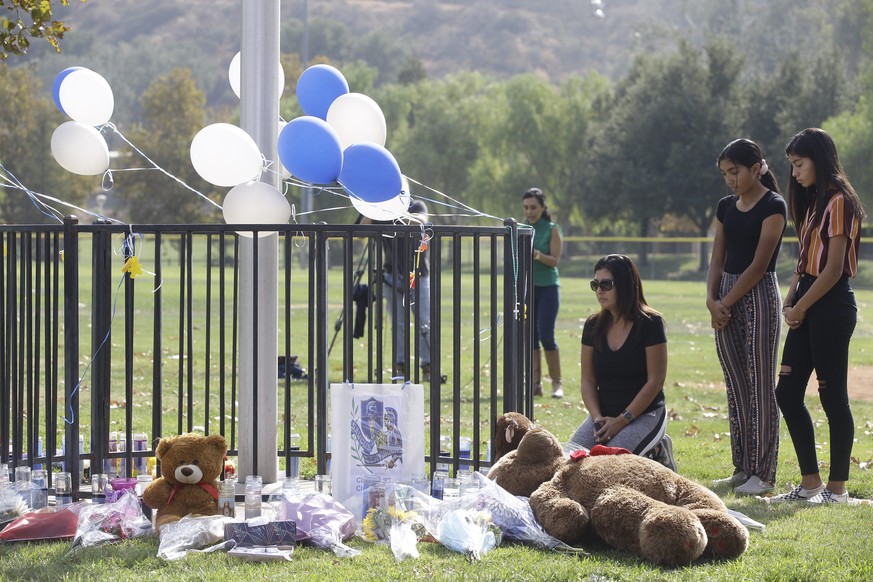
(816, 144)
(630, 300)
(744, 152)
(541, 198)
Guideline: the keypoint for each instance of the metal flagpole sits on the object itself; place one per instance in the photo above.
(259, 316)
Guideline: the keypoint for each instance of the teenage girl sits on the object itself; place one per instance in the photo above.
(820, 311)
(743, 300)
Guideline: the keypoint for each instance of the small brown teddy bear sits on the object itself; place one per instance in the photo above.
(190, 466)
(509, 429)
(521, 471)
(632, 503)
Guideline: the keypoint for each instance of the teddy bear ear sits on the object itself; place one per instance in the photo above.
(217, 442)
(163, 446)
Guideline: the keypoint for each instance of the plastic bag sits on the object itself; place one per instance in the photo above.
(192, 533)
(468, 531)
(110, 522)
(403, 539)
(12, 505)
(511, 514)
(321, 520)
(43, 525)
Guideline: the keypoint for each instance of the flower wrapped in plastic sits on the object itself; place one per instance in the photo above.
(513, 515)
(193, 533)
(321, 520)
(12, 505)
(111, 522)
(468, 531)
(398, 528)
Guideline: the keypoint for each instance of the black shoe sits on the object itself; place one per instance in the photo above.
(425, 375)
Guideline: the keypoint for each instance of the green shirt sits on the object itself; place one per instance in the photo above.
(544, 275)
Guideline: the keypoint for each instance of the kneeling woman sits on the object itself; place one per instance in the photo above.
(624, 364)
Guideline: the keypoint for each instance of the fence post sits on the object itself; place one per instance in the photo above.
(101, 333)
(71, 350)
(318, 259)
(513, 316)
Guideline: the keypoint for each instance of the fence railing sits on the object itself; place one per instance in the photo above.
(114, 336)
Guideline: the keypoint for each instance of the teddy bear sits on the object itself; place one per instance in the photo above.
(190, 466)
(508, 431)
(521, 471)
(630, 502)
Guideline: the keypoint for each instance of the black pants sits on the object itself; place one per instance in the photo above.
(821, 343)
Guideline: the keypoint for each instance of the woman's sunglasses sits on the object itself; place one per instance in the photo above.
(604, 284)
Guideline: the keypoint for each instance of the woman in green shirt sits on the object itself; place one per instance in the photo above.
(547, 245)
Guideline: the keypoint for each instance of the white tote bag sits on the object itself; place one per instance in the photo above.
(377, 438)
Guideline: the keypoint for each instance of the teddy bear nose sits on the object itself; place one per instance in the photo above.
(187, 471)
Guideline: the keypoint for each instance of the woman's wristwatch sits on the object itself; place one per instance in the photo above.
(628, 416)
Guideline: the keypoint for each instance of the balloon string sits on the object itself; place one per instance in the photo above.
(34, 197)
(157, 167)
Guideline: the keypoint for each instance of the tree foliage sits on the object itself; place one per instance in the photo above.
(26, 19)
(173, 112)
(26, 128)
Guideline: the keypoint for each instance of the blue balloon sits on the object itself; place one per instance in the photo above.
(370, 173)
(318, 87)
(311, 150)
(56, 86)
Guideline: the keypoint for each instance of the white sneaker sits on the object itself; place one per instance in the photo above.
(557, 390)
(795, 494)
(737, 478)
(827, 496)
(754, 486)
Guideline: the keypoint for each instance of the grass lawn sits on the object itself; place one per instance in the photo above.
(799, 543)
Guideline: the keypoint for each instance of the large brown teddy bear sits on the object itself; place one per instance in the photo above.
(190, 466)
(632, 503)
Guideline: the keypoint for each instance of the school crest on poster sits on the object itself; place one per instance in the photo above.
(376, 438)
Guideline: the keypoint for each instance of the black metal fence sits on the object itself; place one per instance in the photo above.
(114, 336)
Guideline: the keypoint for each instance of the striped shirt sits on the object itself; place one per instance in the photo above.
(838, 219)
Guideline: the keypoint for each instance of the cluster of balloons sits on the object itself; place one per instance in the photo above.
(341, 137)
(226, 155)
(86, 97)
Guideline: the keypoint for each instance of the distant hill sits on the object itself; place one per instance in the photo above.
(552, 38)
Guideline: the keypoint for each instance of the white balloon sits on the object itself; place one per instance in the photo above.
(80, 149)
(391, 209)
(86, 97)
(225, 155)
(234, 75)
(255, 203)
(283, 171)
(357, 118)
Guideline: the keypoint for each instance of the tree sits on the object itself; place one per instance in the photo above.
(539, 136)
(438, 142)
(656, 151)
(173, 112)
(26, 19)
(26, 128)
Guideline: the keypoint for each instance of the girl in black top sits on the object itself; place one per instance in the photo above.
(743, 300)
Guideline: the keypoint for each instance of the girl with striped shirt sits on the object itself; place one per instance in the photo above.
(820, 311)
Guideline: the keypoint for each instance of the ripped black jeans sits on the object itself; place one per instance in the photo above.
(821, 343)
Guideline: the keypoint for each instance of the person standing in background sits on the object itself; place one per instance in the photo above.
(547, 246)
(821, 312)
(743, 300)
(404, 256)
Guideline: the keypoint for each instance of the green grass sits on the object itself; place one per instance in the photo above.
(827, 543)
